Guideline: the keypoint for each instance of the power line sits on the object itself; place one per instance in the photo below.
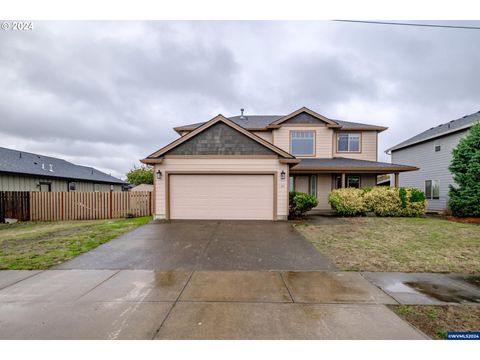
(411, 24)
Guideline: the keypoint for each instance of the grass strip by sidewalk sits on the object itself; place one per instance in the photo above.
(437, 320)
(40, 245)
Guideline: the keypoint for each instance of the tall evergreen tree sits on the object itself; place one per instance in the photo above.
(465, 166)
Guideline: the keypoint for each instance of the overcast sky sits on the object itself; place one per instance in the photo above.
(106, 94)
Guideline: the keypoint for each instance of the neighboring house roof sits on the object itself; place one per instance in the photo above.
(142, 187)
(21, 162)
(156, 156)
(262, 122)
(345, 164)
(441, 130)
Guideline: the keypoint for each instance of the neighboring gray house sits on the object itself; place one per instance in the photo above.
(24, 171)
(431, 151)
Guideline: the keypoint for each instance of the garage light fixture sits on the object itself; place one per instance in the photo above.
(159, 175)
(282, 175)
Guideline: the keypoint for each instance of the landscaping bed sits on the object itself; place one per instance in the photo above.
(436, 320)
(40, 245)
(396, 244)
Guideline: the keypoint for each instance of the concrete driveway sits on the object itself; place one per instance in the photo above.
(146, 304)
(206, 245)
(198, 280)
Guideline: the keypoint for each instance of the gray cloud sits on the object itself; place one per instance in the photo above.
(105, 94)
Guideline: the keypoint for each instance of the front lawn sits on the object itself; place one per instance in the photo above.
(397, 244)
(437, 320)
(39, 245)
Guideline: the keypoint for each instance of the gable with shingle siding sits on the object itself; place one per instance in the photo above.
(220, 139)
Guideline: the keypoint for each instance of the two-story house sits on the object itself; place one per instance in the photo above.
(431, 151)
(243, 167)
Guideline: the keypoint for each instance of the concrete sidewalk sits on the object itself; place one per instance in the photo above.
(146, 304)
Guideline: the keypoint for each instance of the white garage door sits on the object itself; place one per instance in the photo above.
(226, 197)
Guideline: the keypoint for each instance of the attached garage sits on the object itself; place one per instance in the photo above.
(220, 171)
(222, 196)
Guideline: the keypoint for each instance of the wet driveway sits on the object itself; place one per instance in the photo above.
(206, 245)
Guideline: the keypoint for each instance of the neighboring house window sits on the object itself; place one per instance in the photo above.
(432, 189)
(313, 185)
(348, 142)
(438, 148)
(72, 186)
(291, 184)
(302, 143)
(353, 181)
(45, 187)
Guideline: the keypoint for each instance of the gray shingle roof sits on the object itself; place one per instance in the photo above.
(440, 130)
(262, 121)
(21, 162)
(340, 163)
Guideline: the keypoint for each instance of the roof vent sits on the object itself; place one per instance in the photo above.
(20, 155)
(43, 166)
(241, 115)
(50, 168)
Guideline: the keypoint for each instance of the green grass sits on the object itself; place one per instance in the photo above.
(437, 320)
(397, 244)
(40, 245)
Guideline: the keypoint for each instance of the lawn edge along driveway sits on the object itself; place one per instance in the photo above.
(41, 245)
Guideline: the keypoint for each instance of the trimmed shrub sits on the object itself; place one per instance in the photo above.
(384, 201)
(381, 200)
(300, 203)
(347, 201)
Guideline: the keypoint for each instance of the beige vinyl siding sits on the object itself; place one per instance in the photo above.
(368, 180)
(221, 197)
(323, 139)
(266, 135)
(10, 182)
(368, 147)
(221, 165)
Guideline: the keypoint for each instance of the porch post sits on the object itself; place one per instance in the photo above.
(397, 181)
(343, 180)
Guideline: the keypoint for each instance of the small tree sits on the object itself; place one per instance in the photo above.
(464, 199)
(140, 175)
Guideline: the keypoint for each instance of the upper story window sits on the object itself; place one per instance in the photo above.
(348, 142)
(302, 143)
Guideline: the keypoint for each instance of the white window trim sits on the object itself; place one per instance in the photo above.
(430, 196)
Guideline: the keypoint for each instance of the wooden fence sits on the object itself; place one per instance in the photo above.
(47, 206)
(14, 204)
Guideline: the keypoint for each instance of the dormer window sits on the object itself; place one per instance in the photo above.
(348, 142)
(302, 143)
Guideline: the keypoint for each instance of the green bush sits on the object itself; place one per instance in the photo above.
(347, 201)
(464, 195)
(300, 203)
(381, 200)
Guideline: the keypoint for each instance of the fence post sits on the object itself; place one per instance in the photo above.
(111, 198)
(62, 207)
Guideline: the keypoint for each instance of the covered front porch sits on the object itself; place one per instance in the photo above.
(320, 176)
